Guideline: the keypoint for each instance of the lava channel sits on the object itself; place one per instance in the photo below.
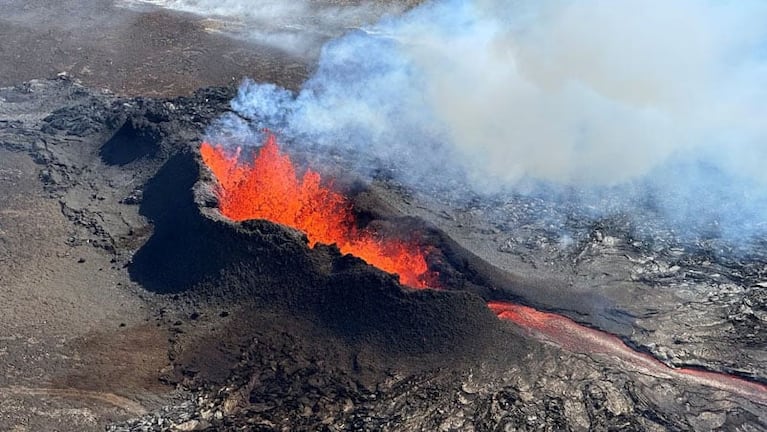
(269, 188)
(574, 337)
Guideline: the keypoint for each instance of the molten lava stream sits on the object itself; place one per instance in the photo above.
(269, 188)
(574, 337)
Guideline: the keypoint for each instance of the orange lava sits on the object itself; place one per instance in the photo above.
(269, 188)
(523, 315)
(574, 337)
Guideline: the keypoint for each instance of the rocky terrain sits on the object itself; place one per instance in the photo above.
(128, 303)
(208, 328)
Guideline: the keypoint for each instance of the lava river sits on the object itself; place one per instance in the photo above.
(270, 188)
(568, 334)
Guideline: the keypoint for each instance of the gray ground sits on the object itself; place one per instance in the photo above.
(128, 51)
(76, 344)
(682, 302)
(82, 345)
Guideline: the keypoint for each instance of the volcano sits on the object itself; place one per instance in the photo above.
(269, 189)
(182, 249)
(273, 325)
(256, 320)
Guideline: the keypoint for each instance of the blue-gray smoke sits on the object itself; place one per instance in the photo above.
(658, 103)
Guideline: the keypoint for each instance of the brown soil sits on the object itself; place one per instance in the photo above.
(71, 330)
(153, 53)
(122, 290)
(76, 344)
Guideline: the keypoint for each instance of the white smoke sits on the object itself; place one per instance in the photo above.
(666, 96)
(596, 91)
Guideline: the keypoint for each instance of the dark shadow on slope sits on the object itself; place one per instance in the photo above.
(174, 257)
(132, 141)
(190, 251)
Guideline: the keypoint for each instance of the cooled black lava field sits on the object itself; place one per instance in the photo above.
(130, 302)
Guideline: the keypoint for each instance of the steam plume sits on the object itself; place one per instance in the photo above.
(643, 100)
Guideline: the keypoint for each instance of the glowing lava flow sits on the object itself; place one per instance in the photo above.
(269, 188)
(574, 337)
